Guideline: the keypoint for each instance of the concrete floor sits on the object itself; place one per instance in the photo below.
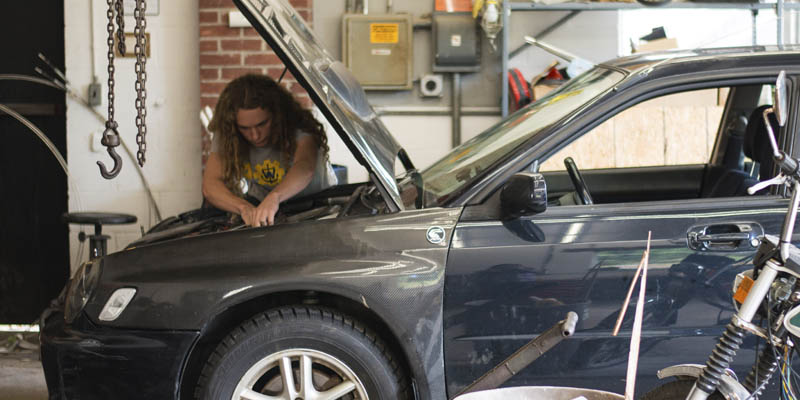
(21, 375)
(21, 378)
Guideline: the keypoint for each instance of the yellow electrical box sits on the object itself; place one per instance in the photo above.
(377, 49)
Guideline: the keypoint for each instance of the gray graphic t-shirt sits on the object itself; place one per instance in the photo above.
(267, 167)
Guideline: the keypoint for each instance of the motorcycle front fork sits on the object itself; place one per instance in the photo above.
(731, 339)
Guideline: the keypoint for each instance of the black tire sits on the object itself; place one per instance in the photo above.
(676, 390)
(340, 349)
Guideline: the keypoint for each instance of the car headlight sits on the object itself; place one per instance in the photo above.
(81, 288)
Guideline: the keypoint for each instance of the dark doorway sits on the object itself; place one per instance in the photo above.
(34, 244)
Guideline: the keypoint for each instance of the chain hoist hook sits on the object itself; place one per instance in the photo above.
(110, 140)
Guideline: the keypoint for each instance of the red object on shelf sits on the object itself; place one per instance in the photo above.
(554, 74)
(520, 90)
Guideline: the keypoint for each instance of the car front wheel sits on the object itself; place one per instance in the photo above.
(302, 353)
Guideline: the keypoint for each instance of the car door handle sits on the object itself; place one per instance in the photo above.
(724, 237)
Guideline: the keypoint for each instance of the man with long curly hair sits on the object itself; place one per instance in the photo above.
(263, 136)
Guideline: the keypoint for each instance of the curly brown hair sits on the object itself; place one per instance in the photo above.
(288, 117)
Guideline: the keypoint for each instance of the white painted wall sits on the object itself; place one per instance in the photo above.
(173, 166)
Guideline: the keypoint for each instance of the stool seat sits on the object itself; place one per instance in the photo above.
(97, 242)
(102, 218)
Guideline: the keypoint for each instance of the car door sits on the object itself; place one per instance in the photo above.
(509, 281)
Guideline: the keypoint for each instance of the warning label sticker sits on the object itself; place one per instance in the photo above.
(384, 33)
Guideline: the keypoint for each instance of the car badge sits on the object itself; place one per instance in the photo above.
(435, 234)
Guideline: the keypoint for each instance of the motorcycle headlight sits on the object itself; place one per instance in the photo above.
(81, 288)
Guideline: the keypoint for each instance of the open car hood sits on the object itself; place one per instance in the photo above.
(334, 90)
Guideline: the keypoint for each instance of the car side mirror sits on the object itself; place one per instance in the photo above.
(524, 194)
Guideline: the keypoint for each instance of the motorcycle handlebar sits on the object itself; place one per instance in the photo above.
(788, 165)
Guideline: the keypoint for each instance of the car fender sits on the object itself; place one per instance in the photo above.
(391, 264)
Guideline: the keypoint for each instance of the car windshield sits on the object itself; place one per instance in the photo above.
(458, 168)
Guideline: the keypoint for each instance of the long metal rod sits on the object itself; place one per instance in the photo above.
(788, 224)
(456, 100)
(525, 355)
(545, 32)
(550, 49)
(779, 12)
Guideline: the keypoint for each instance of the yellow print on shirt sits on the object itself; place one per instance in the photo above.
(269, 172)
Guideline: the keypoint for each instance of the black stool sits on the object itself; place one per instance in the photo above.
(97, 242)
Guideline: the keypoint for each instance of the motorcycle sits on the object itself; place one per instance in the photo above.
(770, 290)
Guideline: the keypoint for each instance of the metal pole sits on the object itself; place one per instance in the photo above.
(456, 100)
(545, 32)
(754, 12)
(506, 18)
(779, 11)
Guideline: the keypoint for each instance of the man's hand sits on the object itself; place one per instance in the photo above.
(264, 214)
(248, 214)
(266, 211)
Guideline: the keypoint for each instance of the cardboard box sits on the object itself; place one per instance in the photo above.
(657, 45)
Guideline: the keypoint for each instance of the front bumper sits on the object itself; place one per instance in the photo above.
(86, 361)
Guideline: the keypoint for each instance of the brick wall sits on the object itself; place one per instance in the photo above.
(226, 53)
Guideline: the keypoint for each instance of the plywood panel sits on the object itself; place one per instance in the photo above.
(685, 134)
(592, 151)
(679, 129)
(713, 119)
(639, 137)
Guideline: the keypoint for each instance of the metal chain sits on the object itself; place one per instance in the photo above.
(141, 78)
(120, 9)
(110, 43)
(111, 135)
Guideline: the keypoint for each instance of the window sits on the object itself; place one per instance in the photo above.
(677, 129)
(662, 149)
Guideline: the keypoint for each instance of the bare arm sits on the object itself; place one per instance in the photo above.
(301, 172)
(296, 179)
(217, 193)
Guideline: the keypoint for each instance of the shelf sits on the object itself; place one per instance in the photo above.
(610, 6)
(508, 6)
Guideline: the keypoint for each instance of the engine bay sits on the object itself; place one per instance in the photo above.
(335, 202)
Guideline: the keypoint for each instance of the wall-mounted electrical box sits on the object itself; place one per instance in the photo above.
(456, 44)
(378, 50)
